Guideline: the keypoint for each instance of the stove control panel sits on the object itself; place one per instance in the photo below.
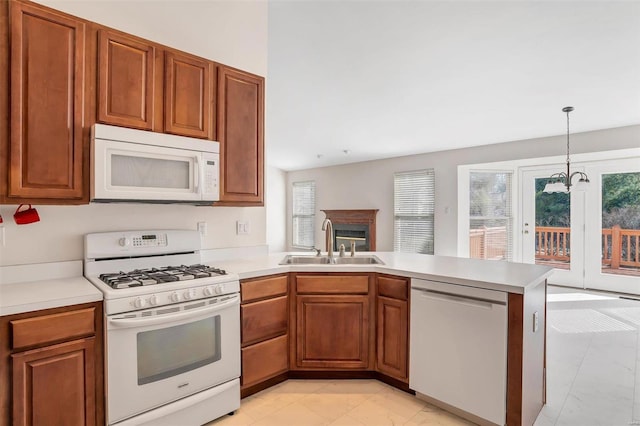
(163, 298)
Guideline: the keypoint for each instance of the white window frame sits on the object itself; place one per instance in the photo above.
(295, 238)
(429, 217)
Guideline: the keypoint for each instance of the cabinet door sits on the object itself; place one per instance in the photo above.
(332, 332)
(126, 74)
(241, 135)
(189, 84)
(55, 385)
(392, 337)
(47, 81)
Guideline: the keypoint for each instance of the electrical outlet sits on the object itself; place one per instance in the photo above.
(202, 228)
(242, 227)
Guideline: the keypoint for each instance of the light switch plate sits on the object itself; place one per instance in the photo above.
(536, 322)
(242, 227)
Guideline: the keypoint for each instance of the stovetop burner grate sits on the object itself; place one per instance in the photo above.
(151, 276)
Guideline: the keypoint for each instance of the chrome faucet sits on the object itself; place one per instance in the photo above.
(327, 226)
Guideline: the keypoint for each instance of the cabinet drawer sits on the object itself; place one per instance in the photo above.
(264, 360)
(263, 287)
(333, 284)
(395, 288)
(264, 319)
(50, 328)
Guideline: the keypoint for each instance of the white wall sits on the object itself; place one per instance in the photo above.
(276, 181)
(369, 185)
(230, 32)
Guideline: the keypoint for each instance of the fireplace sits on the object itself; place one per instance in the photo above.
(353, 225)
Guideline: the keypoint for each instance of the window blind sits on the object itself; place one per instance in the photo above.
(414, 206)
(304, 214)
(490, 215)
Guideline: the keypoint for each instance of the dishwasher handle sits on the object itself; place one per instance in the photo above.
(456, 298)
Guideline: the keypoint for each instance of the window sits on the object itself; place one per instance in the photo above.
(304, 214)
(490, 215)
(413, 206)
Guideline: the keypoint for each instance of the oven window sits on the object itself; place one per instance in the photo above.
(175, 350)
(143, 172)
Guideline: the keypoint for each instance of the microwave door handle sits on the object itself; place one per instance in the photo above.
(171, 317)
(196, 175)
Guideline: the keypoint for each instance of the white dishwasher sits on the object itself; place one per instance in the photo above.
(458, 350)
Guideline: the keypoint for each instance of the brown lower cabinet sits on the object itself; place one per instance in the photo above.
(264, 313)
(51, 367)
(392, 327)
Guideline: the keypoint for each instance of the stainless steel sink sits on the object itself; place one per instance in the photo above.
(304, 260)
(293, 259)
(359, 260)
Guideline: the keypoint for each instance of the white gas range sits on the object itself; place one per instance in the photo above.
(172, 328)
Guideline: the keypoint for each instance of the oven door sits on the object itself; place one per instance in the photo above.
(163, 354)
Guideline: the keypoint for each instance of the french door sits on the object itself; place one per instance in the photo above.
(613, 227)
(552, 228)
(590, 238)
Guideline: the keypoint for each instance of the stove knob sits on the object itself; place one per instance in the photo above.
(124, 242)
(219, 289)
(190, 294)
(208, 291)
(139, 302)
(153, 300)
(175, 297)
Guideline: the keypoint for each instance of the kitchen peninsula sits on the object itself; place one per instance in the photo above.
(336, 320)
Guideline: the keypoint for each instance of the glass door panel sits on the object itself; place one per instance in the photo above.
(552, 228)
(613, 227)
(620, 223)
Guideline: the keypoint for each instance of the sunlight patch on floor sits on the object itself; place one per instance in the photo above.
(576, 297)
(584, 321)
(631, 315)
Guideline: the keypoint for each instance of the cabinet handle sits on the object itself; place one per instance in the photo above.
(455, 298)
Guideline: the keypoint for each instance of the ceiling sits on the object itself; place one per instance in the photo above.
(380, 79)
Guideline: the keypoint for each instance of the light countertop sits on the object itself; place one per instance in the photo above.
(493, 275)
(54, 285)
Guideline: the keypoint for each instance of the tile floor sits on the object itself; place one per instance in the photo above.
(593, 360)
(593, 372)
(336, 403)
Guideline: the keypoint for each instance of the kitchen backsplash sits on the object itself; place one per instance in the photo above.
(58, 236)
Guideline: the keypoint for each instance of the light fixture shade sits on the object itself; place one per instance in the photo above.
(580, 185)
(552, 187)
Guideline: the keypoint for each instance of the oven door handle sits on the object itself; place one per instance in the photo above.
(172, 317)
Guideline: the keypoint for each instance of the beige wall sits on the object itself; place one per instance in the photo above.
(230, 32)
(369, 185)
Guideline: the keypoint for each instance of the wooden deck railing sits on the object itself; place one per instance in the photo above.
(488, 243)
(620, 247)
(553, 243)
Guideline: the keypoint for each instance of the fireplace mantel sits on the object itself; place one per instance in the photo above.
(356, 217)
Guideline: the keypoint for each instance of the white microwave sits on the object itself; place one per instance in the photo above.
(129, 165)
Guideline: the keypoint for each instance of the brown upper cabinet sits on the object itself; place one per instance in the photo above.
(241, 136)
(47, 77)
(145, 86)
(66, 73)
(189, 87)
(127, 95)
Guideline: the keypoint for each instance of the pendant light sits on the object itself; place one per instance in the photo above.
(561, 182)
